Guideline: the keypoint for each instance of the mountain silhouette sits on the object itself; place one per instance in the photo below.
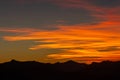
(70, 70)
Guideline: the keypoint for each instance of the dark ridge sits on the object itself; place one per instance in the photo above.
(70, 70)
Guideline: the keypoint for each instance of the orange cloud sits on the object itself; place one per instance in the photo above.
(79, 42)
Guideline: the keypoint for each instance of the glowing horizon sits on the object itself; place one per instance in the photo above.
(62, 34)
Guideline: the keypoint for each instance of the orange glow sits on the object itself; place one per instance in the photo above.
(78, 42)
(60, 30)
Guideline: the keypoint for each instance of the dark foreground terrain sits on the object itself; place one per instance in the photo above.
(31, 70)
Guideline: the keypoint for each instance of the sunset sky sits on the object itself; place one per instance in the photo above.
(60, 30)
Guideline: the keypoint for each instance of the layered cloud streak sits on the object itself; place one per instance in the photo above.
(76, 42)
(83, 30)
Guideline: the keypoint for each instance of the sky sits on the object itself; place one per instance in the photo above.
(60, 30)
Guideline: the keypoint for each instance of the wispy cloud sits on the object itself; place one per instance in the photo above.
(76, 41)
(103, 10)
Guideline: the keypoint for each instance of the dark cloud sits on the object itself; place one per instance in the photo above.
(36, 15)
(46, 51)
(41, 14)
(105, 3)
(91, 57)
(110, 48)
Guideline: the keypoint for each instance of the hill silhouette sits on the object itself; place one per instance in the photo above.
(32, 70)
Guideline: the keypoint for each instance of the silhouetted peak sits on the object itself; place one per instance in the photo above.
(14, 61)
(70, 70)
(70, 62)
